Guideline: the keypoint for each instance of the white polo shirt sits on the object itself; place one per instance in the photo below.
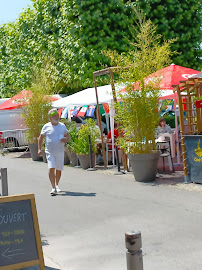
(53, 135)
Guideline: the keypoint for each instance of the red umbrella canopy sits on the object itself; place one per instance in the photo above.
(19, 100)
(16, 101)
(171, 75)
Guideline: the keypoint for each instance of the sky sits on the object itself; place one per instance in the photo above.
(10, 9)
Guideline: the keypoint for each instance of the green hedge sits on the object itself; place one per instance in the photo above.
(170, 120)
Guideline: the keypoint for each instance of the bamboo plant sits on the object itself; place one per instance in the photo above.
(35, 113)
(138, 111)
(82, 146)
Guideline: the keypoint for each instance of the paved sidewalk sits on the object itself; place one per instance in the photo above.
(50, 265)
(83, 227)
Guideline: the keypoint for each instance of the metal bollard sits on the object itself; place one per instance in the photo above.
(133, 243)
(90, 155)
(117, 160)
(4, 181)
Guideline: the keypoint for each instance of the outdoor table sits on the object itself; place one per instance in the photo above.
(172, 137)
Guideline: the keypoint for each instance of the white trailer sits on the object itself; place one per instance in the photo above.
(12, 129)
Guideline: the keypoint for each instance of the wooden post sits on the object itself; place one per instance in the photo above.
(182, 134)
(124, 159)
(99, 122)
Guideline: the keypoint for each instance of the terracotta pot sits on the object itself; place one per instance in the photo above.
(144, 166)
(66, 158)
(85, 161)
(72, 157)
(44, 156)
(33, 148)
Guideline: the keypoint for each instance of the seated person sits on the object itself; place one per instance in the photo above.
(109, 135)
(163, 127)
(109, 140)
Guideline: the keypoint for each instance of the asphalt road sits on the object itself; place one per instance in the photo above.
(84, 226)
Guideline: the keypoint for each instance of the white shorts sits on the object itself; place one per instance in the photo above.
(55, 160)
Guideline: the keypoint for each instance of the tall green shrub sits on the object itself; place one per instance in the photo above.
(35, 113)
(138, 112)
(73, 133)
(85, 130)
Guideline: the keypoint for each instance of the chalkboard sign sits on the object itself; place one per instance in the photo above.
(193, 145)
(20, 242)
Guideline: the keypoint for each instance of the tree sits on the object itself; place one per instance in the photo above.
(72, 33)
(39, 32)
(99, 25)
(178, 19)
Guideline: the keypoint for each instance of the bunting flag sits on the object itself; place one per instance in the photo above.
(64, 113)
(102, 111)
(167, 104)
(82, 111)
(90, 111)
(60, 112)
(76, 110)
(106, 107)
(71, 110)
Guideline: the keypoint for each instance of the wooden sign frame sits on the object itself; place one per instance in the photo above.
(40, 260)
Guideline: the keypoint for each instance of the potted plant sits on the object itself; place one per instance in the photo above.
(138, 111)
(43, 152)
(38, 103)
(82, 146)
(70, 148)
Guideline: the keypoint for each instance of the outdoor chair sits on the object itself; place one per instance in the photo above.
(109, 150)
(165, 152)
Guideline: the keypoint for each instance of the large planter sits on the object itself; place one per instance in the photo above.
(72, 157)
(144, 166)
(44, 156)
(85, 160)
(33, 148)
(66, 158)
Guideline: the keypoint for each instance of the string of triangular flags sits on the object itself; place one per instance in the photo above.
(82, 111)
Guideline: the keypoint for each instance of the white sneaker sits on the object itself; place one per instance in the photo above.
(58, 189)
(53, 191)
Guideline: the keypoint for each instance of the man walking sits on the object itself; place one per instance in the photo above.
(56, 135)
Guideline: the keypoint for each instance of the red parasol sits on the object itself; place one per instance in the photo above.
(19, 100)
(171, 75)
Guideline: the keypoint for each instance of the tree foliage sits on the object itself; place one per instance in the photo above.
(35, 113)
(73, 33)
(180, 20)
(99, 25)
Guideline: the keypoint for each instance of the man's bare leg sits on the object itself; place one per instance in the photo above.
(52, 176)
(58, 175)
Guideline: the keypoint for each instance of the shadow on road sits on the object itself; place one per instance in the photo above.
(69, 193)
(22, 155)
(170, 179)
(44, 242)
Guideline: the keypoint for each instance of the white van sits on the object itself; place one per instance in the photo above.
(12, 129)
